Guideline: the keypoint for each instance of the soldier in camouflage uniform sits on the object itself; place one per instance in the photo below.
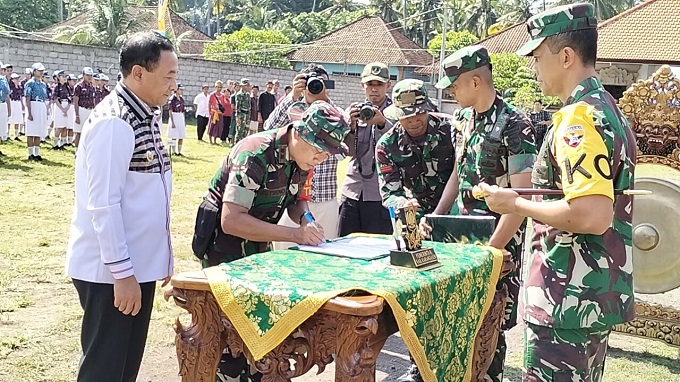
(415, 158)
(262, 176)
(580, 275)
(242, 111)
(495, 145)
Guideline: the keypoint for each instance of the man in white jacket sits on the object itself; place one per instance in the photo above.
(119, 244)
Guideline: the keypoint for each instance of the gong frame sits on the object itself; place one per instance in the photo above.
(655, 102)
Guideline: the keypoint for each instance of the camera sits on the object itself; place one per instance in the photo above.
(316, 84)
(366, 111)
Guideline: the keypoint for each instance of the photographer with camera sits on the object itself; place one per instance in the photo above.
(312, 84)
(361, 209)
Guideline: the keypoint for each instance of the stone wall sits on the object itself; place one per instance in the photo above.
(22, 53)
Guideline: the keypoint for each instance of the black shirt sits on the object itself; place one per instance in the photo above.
(266, 104)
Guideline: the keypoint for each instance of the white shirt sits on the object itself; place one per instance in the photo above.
(201, 102)
(123, 182)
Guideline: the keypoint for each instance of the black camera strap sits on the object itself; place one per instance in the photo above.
(356, 151)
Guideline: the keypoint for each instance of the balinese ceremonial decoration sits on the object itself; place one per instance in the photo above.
(653, 108)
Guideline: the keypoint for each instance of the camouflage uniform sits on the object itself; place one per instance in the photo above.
(579, 285)
(260, 175)
(491, 147)
(242, 112)
(415, 167)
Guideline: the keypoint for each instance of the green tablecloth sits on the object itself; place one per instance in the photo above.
(266, 296)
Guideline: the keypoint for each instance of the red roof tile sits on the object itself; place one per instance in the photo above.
(366, 40)
(648, 33)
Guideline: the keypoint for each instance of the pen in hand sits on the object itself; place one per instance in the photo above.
(310, 220)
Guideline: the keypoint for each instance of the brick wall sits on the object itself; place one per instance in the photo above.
(22, 53)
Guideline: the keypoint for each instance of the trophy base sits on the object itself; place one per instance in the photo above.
(422, 259)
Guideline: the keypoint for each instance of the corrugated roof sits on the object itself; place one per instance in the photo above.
(147, 18)
(366, 40)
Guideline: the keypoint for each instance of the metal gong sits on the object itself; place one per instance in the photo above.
(656, 236)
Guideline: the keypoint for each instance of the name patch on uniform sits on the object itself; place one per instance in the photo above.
(573, 135)
(384, 169)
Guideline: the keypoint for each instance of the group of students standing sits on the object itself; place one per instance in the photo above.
(231, 113)
(36, 106)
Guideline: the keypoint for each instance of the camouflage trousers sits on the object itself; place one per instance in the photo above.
(561, 355)
(242, 129)
(236, 369)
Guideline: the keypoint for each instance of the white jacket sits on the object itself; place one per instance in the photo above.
(123, 182)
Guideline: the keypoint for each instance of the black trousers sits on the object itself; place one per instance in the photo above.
(225, 128)
(201, 125)
(362, 216)
(113, 343)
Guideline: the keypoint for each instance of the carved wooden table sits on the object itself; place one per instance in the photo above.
(353, 329)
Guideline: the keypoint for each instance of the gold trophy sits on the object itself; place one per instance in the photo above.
(414, 256)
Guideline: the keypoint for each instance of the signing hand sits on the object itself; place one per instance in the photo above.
(308, 235)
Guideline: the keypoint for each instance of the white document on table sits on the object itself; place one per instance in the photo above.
(364, 248)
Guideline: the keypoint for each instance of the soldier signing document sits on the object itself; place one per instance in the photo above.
(262, 177)
(579, 282)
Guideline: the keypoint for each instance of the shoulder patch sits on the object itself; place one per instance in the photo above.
(573, 135)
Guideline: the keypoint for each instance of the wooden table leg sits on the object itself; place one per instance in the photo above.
(355, 358)
(200, 345)
(487, 337)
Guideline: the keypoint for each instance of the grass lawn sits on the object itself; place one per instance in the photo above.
(39, 312)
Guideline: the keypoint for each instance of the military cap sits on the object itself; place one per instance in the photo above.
(244, 81)
(180, 86)
(15, 75)
(88, 71)
(462, 61)
(104, 77)
(97, 76)
(410, 96)
(375, 71)
(28, 70)
(321, 125)
(565, 18)
(60, 73)
(38, 66)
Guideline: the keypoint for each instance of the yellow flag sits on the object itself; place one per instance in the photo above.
(162, 7)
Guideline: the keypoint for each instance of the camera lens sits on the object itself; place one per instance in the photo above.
(315, 85)
(366, 113)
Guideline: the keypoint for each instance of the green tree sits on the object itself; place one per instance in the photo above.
(604, 9)
(304, 27)
(84, 34)
(513, 77)
(114, 21)
(29, 16)
(454, 41)
(340, 19)
(480, 16)
(249, 46)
